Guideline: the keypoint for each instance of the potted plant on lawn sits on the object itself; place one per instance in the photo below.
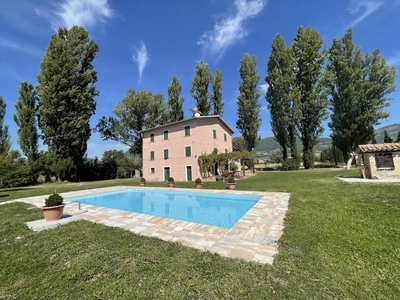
(53, 207)
(142, 181)
(197, 183)
(231, 183)
(171, 182)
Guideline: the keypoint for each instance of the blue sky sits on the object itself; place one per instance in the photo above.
(144, 43)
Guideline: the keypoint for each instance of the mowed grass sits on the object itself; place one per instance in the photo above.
(341, 241)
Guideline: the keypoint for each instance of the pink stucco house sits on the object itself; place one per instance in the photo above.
(172, 150)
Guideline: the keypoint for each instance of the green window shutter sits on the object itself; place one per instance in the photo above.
(187, 130)
(152, 137)
(166, 135)
(151, 155)
(214, 134)
(166, 154)
(225, 137)
(188, 151)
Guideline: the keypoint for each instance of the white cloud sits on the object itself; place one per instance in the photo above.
(84, 13)
(367, 6)
(230, 29)
(394, 60)
(141, 59)
(264, 87)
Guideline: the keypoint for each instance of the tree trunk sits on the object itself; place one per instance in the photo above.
(348, 165)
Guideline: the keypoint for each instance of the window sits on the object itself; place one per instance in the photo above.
(188, 151)
(226, 150)
(214, 134)
(152, 170)
(166, 135)
(151, 137)
(187, 130)
(225, 137)
(151, 155)
(384, 161)
(166, 152)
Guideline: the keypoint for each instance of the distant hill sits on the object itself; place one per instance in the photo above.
(392, 130)
(268, 144)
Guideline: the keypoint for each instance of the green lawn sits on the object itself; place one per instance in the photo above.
(341, 241)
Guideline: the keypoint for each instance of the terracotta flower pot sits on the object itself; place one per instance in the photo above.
(53, 213)
(171, 184)
(198, 186)
(142, 183)
(231, 186)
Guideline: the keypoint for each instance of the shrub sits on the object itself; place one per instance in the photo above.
(142, 179)
(291, 164)
(171, 179)
(231, 180)
(198, 180)
(54, 200)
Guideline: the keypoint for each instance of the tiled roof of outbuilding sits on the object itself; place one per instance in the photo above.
(389, 147)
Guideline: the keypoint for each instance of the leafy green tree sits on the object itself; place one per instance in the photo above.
(358, 87)
(282, 97)
(14, 170)
(311, 86)
(139, 110)
(199, 89)
(216, 96)
(249, 106)
(66, 95)
(240, 141)
(174, 102)
(387, 138)
(5, 140)
(25, 118)
(398, 137)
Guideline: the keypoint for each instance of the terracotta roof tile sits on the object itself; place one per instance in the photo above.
(389, 147)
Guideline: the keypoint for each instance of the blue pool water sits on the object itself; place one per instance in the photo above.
(222, 210)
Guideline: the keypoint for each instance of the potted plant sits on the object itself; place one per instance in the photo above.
(53, 207)
(231, 183)
(171, 182)
(142, 181)
(197, 183)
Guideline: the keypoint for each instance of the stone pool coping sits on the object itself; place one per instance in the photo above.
(253, 238)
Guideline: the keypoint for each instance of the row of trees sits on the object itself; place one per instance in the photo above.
(140, 110)
(302, 77)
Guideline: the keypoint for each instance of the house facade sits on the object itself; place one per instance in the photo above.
(382, 160)
(172, 150)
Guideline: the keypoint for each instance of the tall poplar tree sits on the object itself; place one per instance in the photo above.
(310, 55)
(5, 140)
(358, 86)
(174, 102)
(249, 106)
(216, 96)
(25, 118)
(199, 90)
(282, 97)
(66, 95)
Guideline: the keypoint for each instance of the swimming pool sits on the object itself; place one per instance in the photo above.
(222, 210)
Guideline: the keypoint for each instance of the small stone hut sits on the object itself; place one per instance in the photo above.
(382, 160)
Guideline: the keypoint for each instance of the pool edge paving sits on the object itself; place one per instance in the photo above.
(253, 238)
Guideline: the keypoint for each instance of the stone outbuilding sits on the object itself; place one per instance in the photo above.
(381, 161)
